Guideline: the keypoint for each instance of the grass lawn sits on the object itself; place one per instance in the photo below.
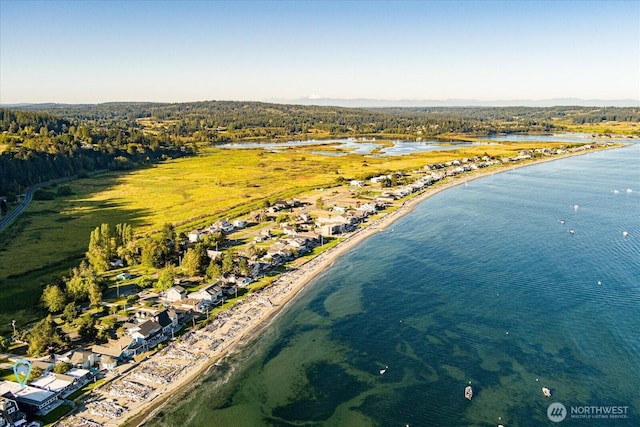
(613, 128)
(55, 415)
(50, 237)
(7, 374)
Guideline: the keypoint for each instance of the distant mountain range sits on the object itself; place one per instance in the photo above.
(387, 103)
(371, 103)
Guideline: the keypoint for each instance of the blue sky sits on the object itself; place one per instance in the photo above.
(172, 51)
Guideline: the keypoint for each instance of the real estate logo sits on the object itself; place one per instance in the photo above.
(556, 412)
(22, 371)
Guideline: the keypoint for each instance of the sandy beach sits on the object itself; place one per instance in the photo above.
(141, 389)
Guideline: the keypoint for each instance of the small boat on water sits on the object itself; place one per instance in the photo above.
(546, 392)
(468, 392)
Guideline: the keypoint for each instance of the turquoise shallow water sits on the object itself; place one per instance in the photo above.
(479, 283)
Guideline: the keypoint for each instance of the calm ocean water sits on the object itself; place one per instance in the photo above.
(479, 283)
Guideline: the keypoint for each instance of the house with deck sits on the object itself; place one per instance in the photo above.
(211, 294)
(30, 400)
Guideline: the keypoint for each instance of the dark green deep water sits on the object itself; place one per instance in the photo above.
(479, 283)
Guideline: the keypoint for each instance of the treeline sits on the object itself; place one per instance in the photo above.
(222, 121)
(537, 115)
(17, 122)
(37, 147)
(46, 141)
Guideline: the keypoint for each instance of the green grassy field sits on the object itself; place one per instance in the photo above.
(612, 128)
(50, 237)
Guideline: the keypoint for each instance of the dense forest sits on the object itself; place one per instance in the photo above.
(574, 115)
(46, 141)
(38, 147)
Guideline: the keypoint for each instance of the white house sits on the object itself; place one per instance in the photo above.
(195, 236)
(241, 281)
(82, 358)
(211, 294)
(214, 255)
(223, 225)
(239, 223)
(176, 293)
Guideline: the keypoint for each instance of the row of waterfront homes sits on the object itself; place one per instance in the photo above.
(147, 328)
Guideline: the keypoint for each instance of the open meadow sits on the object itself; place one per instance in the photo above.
(51, 236)
(605, 127)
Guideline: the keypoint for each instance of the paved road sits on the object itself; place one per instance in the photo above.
(4, 222)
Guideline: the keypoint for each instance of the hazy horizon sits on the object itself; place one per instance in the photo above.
(483, 52)
(380, 103)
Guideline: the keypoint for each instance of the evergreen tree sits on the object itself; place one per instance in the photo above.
(87, 329)
(70, 312)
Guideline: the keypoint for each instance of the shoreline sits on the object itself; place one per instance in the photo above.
(245, 320)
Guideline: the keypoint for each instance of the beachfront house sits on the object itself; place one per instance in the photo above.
(30, 400)
(211, 294)
(56, 383)
(331, 229)
(241, 281)
(120, 349)
(10, 413)
(168, 320)
(82, 359)
(186, 305)
(154, 330)
(108, 363)
(146, 334)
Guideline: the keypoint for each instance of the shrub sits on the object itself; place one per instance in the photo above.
(41, 194)
(61, 368)
(64, 190)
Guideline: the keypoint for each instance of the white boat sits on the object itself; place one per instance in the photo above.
(468, 392)
(546, 392)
